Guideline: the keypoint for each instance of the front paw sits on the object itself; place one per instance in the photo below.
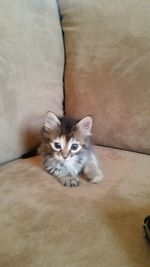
(71, 182)
(98, 178)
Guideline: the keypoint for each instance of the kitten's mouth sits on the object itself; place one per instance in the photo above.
(68, 157)
(63, 159)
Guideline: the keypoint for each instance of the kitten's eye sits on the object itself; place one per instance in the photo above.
(74, 147)
(57, 145)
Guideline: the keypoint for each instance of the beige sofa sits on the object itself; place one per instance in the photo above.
(106, 73)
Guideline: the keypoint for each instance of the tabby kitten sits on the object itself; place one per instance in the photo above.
(67, 151)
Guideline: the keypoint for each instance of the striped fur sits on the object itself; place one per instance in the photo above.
(67, 151)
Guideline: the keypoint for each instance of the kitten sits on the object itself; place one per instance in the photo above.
(67, 151)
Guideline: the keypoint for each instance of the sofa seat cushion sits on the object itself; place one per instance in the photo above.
(45, 224)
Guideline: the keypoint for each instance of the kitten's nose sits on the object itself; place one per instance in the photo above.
(65, 153)
(65, 156)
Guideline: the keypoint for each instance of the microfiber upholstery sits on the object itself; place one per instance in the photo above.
(107, 74)
(43, 224)
(31, 71)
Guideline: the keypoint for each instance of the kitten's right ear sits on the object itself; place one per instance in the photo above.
(51, 121)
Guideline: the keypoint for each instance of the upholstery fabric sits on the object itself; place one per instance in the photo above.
(107, 70)
(44, 224)
(31, 71)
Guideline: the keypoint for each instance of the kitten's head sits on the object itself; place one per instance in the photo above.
(66, 137)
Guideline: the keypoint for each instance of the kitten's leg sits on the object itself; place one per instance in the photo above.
(92, 170)
(69, 181)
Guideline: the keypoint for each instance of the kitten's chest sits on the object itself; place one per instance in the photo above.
(71, 167)
(67, 168)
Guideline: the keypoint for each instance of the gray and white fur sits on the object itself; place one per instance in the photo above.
(67, 150)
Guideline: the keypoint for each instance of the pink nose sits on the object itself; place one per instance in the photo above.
(65, 156)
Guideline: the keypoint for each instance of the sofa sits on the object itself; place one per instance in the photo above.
(75, 58)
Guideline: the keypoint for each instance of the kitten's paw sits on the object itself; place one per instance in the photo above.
(73, 182)
(97, 179)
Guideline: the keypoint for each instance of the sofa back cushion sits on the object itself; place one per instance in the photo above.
(31, 70)
(107, 70)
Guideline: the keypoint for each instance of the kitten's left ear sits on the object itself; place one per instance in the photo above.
(85, 125)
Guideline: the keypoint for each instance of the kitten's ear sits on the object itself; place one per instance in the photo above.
(51, 121)
(85, 125)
